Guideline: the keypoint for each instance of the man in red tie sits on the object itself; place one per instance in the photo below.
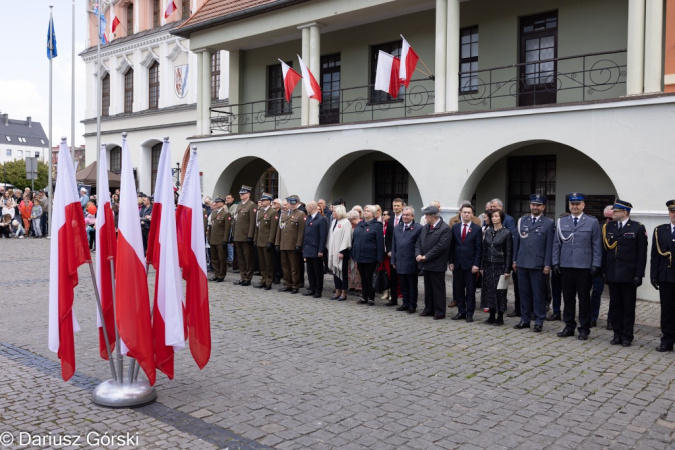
(464, 261)
(394, 221)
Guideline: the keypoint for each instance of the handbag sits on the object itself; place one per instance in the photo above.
(380, 280)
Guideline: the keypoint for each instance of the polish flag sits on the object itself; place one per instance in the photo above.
(312, 87)
(291, 79)
(170, 8)
(114, 21)
(409, 61)
(131, 284)
(106, 250)
(387, 76)
(69, 250)
(167, 314)
(192, 253)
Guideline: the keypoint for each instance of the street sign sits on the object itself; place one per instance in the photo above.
(31, 168)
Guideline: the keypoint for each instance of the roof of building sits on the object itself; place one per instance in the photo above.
(218, 12)
(132, 37)
(31, 132)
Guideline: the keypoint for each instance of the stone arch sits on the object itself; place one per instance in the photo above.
(246, 170)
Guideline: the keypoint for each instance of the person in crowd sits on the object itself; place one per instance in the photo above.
(339, 246)
(207, 204)
(624, 259)
(599, 282)
(577, 256)
(145, 215)
(279, 209)
(115, 208)
(464, 261)
(498, 205)
(313, 246)
(496, 261)
(354, 276)
(458, 218)
(327, 212)
(431, 253)
(220, 224)
(662, 276)
(8, 204)
(26, 208)
(36, 217)
(289, 243)
(90, 222)
(44, 203)
(377, 213)
(423, 219)
(359, 210)
(244, 230)
(6, 226)
(84, 198)
(267, 221)
(532, 256)
(368, 251)
(403, 263)
(395, 220)
(384, 219)
(484, 218)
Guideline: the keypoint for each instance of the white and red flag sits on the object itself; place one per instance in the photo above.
(106, 249)
(291, 79)
(167, 314)
(387, 77)
(69, 250)
(132, 303)
(192, 253)
(408, 63)
(170, 8)
(115, 21)
(311, 86)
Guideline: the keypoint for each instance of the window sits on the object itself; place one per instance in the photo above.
(37, 154)
(9, 139)
(155, 13)
(42, 141)
(268, 182)
(130, 19)
(276, 93)
(129, 91)
(215, 74)
(153, 77)
(394, 49)
(186, 9)
(330, 89)
(9, 152)
(116, 160)
(468, 59)
(391, 181)
(530, 175)
(20, 153)
(156, 152)
(538, 42)
(105, 95)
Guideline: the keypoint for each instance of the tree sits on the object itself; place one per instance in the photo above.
(16, 174)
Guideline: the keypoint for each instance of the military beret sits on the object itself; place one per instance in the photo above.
(430, 210)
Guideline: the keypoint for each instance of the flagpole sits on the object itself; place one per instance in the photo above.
(50, 188)
(98, 86)
(118, 351)
(72, 99)
(105, 330)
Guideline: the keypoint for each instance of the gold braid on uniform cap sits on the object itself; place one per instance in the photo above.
(608, 246)
(658, 247)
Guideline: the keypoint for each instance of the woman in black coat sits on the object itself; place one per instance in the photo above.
(497, 259)
(367, 252)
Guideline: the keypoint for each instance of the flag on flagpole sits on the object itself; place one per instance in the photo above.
(132, 303)
(408, 63)
(167, 315)
(387, 75)
(312, 87)
(102, 24)
(291, 79)
(170, 8)
(192, 253)
(51, 40)
(106, 250)
(114, 22)
(68, 250)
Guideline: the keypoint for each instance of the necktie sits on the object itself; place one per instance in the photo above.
(620, 225)
(395, 221)
(576, 219)
(464, 233)
(534, 220)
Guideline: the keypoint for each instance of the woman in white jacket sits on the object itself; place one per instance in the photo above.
(339, 244)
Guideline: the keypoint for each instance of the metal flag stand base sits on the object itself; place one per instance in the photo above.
(124, 395)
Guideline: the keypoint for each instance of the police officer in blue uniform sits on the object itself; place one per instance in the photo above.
(577, 257)
(533, 253)
(663, 277)
(624, 259)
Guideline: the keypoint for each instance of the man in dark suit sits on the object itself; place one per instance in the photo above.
(431, 252)
(395, 219)
(624, 257)
(313, 246)
(510, 224)
(403, 261)
(464, 260)
(663, 277)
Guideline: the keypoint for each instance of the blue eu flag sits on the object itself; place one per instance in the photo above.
(51, 40)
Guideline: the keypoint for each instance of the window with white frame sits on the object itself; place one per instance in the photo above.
(37, 154)
(9, 152)
(20, 153)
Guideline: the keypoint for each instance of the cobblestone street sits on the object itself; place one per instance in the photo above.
(292, 372)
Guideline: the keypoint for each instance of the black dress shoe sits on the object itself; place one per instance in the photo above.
(268, 288)
(489, 321)
(537, 328)
(214, 279)
(238, 282)
(594, 323)
(317, 295)
(468, 319)
(554, 316)
(362, 301)
(412, 310)
(308, 293)
(341, 299)
(426, 314)
(294, 291)
(513, 314)
(391, 302)
(458, 316)
(285, 289)
(664, 348)
(566, 332)
(626, 343)
(521, 325)
(615, 341)
(583, 336)
(498, 322)
(259, 286)
(371, 302)
(246, 283)
(334, 297)
(439, 317)
(609, 324)
(402, 308)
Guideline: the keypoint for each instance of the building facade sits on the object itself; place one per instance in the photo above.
(22, 138)
(148, 85)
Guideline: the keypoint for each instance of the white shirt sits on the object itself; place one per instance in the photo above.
(623, 223)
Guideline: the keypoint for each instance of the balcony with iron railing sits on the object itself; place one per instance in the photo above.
(572, 79)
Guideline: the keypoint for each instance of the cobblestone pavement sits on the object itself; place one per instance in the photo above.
(293, 372)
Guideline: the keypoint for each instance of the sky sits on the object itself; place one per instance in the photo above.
(24, 67)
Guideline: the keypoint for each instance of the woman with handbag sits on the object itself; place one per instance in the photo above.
(368, 251)
(497, 258)
(339, 245)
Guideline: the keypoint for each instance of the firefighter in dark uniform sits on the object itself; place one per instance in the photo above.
(289, 243)
(218, 233)
(267, 220)
(624, 258)
(663, 277)
(244, 231)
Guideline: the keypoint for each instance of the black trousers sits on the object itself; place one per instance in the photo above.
(409, 289)
(667, 297)
(464, 290)
(622, 298)
(577, 282)
(315, 274)
(343, 283)
(434, 292)
(145, 232)
(301, 269)
(366, 270)
(516, 291)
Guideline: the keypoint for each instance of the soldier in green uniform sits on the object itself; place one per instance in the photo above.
(244, 231)
(266, 220)
(221, 223)
(289, 243)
